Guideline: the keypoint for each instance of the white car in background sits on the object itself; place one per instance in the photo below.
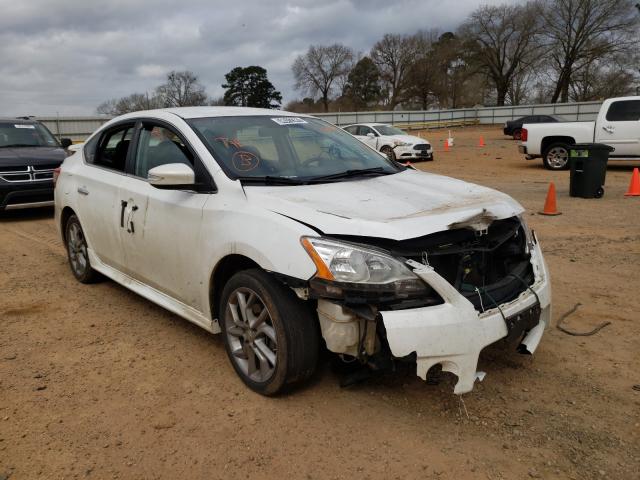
(393, 142)
(284, 233)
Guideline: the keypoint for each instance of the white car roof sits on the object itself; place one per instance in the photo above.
(200, 112)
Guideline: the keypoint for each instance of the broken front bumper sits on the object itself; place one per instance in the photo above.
(453, 333)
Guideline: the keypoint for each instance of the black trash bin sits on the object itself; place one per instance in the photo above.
(588, 163)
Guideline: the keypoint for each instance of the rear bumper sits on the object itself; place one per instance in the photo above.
(14, 195)
(453, 334)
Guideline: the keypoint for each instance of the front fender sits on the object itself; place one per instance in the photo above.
(269, 239)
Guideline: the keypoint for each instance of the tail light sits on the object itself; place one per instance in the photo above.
(524, 134)
(56, 174)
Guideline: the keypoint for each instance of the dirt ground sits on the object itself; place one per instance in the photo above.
(96, 382)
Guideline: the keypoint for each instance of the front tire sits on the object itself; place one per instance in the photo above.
(556, 156)
(270, 335)
(77, 252)
(388, 151)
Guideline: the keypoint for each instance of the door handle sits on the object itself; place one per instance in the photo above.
(83, 191)
(131, 228)
(608, 128)
(123, 205)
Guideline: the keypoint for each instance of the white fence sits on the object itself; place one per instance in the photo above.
(76, 128)
(573, 112)
(79, 128)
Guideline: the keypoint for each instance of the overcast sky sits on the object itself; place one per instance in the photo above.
(69, 56)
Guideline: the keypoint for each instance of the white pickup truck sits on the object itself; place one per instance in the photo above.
(617, 125)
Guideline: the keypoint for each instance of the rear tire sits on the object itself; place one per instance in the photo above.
(77, 252)
(271, 336)
(556, 156)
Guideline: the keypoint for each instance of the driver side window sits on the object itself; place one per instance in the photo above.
(159, 146)
(364, 131)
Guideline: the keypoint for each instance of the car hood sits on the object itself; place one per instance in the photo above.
(22, 156)
(410, 139)
(406, 205)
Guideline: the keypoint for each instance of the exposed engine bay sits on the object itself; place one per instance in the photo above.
(489, 267)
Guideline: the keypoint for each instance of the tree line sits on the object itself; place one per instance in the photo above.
(538, 51)
(533, 52)
(244, 87)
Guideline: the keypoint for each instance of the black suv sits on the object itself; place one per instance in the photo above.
(29, 154)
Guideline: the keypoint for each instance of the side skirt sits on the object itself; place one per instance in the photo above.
(157, 297)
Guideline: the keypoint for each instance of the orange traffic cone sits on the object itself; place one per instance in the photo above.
(446, 144)
(550, 207)
(481, 142)
(634, 186)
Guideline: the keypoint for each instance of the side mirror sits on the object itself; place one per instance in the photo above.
(371, 135)
(66, 142)
(171, 174)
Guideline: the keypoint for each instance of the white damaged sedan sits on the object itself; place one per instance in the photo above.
(284, 234)
(391, 141)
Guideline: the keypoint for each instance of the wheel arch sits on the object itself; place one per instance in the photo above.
(223, 271)
(64, 217)
(546, 141)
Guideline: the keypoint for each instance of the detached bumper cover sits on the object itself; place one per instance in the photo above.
(454, 333)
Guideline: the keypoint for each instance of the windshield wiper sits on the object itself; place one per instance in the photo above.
(271, 180)
(16, 145)
(352, 173)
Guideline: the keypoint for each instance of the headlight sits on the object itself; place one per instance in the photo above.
(344, 267)
(400, 143)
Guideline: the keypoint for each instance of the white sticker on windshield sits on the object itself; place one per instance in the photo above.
(33, 127)
(288, 120)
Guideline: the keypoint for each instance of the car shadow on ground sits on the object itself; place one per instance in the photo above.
(26, 214)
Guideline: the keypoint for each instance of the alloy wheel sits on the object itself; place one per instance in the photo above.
(251, 335)
(557, 157)
(77, 246)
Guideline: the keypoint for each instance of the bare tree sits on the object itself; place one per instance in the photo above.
(455, 84)
(520, 88)
(394, 55)
(182, 89)
(421, 79)
(501, 41)
(131, 103)
(616, 77)
(580, 32)
(318, 71)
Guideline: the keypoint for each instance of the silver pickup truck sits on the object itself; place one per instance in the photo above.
(617, 125)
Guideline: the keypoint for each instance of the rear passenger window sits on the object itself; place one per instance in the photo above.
(624, 111)
(112, 149)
